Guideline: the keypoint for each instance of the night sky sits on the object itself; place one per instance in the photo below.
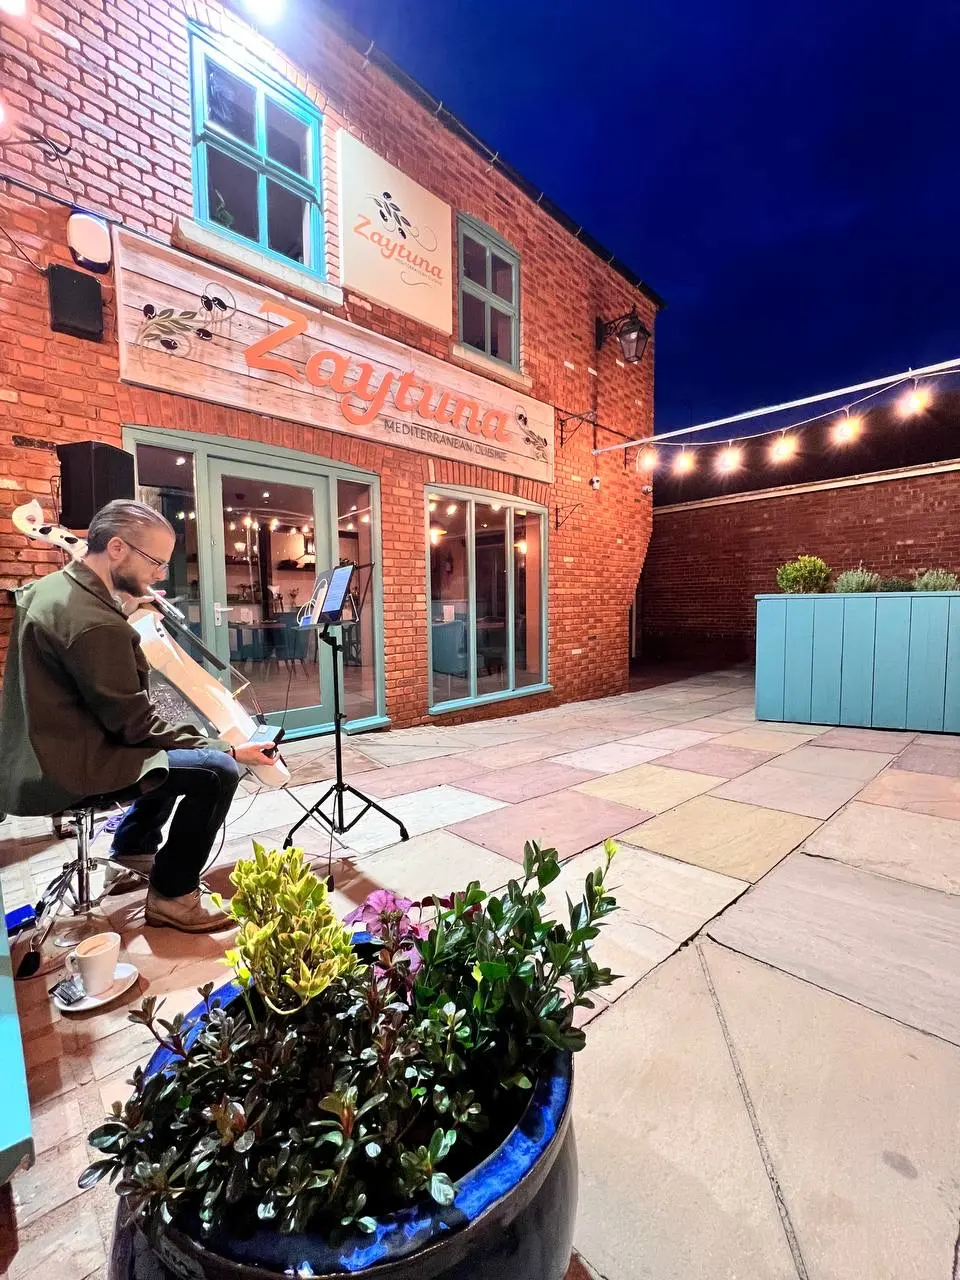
(786, 175)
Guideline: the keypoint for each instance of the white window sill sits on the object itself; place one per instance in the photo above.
(469, 355)
(204, 242)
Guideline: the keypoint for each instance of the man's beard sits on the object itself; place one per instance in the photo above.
(126, 583)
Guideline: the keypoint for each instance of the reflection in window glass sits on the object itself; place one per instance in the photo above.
(502, 273)
(474, 261)
(355, 534)
(286, 138)
(528, 598)
(491, 579)
(449, 600)
(286, 213)
(166, 483)
(232, 192)
(474, 332)
(484, 588)
(231, 103)
(501, 335)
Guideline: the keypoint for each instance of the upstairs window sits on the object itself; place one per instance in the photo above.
(256, 166)
(489, 293)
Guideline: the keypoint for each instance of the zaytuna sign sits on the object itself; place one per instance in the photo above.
(196, 330)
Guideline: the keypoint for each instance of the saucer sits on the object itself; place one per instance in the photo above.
(124, 976)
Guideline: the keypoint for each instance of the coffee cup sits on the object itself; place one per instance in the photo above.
(94, 960)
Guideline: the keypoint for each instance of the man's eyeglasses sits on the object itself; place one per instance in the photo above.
(160, 565)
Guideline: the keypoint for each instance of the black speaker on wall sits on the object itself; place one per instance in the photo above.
(91, 475)
(76, 303)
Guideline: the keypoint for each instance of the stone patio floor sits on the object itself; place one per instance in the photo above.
(770, 1090)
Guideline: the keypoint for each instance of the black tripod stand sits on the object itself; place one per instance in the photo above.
(337, 824)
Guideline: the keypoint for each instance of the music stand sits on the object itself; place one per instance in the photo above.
(330, 597)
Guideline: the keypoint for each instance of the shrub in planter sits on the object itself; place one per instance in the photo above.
(895, 584)
(341, 1094)
(859, 579)
(935, 580)
(803, 576)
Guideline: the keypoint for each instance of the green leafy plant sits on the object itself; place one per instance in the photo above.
(803, 576)
(855, 580)
(895, 584)
(935, 580)
(289, 944)
(335, 1091)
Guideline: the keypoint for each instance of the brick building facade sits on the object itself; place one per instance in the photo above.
(708, 560)
(113, 81)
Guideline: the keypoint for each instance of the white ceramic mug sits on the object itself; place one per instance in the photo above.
(95, 960)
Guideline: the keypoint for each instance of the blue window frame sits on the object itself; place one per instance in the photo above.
(489, 273)
(256, 158)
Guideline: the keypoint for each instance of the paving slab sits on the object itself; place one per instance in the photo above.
(836, 762)
(859, 1117)
(709, 757)
(526, 781)
(925, 757)
(739, 840)
(674, 898)
(419, 811)
(669, 739)
(510, 754)
(774, 786)
(399, 779)
(383, 750)
(610, 758)
(893, 842)
(889, 740)
(566, 820)
(672, 1185)
(917, 792)
(886, 944)
(649, 787)
(760, 738)
(437, 862)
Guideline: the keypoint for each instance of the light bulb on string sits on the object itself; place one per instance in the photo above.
(783, 449)
(647, 459)
(917, 400)
(847, 429)
(683, 463)
(730, 459)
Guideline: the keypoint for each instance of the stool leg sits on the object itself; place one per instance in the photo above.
(84, 834)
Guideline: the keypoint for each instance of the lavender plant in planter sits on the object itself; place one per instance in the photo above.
(393, 1103)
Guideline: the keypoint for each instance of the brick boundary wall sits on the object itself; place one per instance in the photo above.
(707, 561)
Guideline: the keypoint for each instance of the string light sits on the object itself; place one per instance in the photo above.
(13, 8)
(847, 429)
(683, 463)
(648, 460)
(452, 509)
(784, 449)
(730, 459)
(274, 525)
(436, 534)
(917, 400)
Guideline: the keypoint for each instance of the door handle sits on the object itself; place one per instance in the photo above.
(218, 611)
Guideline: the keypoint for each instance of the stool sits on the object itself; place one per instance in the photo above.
(73, 882)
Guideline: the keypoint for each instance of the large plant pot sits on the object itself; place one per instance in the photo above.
(512, 1218)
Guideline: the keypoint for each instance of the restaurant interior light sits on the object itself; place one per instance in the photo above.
(452, 509)
(632, 334)
(436, 533)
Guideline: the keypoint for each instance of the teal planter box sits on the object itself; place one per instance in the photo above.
(884, 661)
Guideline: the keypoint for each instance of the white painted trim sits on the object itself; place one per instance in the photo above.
(492, 367)
(204, 242)
(814, 486)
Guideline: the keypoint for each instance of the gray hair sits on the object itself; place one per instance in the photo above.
(121, 519)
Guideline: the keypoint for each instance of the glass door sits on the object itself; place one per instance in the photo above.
(270, 531)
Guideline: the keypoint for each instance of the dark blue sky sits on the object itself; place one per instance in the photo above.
(787, 175)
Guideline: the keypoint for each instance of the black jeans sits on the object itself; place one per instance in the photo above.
(206, 780)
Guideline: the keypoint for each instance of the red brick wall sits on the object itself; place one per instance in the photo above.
(111, 79)
(705, 564)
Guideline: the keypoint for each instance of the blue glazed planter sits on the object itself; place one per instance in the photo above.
(513, 1216)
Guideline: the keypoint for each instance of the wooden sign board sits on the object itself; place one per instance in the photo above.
(396, 242)
(193, 329)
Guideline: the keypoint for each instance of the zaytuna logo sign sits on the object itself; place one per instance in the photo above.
(398, 243)
(201, 332)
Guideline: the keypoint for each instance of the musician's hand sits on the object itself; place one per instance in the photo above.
(254, 753)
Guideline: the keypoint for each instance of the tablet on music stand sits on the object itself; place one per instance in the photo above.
(330, 595)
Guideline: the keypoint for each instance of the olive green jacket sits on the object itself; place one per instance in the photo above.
(77, 720)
